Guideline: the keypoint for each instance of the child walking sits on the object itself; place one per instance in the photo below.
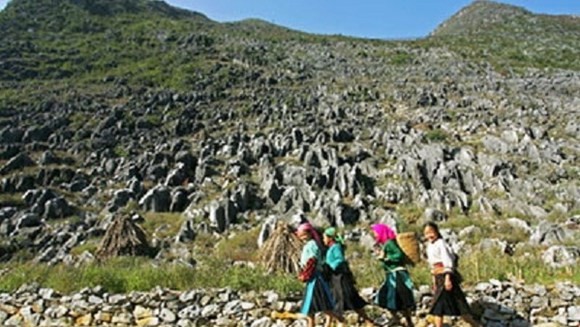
(449, 299)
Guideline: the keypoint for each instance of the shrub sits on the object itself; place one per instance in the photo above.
(436, 135)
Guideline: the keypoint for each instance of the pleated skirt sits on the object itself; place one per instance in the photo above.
(449, 303)
(396, 293)
(345, 294)
(317, 296)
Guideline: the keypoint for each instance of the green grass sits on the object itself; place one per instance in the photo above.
(240, 246)
(90, 245)
(508, 233)
(163, 224)
(411, 215)
(528, 267)
(365, 268)
(214, 270)
(137, 274)
(11, 200)
(480, 266)
(401, 58)
(121, 151)
(436, 135)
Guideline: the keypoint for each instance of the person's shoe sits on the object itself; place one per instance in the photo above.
(275, 315)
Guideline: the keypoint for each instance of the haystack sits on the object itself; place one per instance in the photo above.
(124, 237)
(281, 251)
(409, 243)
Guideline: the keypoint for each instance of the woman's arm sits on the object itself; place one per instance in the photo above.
(308, 270)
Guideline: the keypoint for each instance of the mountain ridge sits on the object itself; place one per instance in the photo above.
(511, 36)
(102, 7)
(477, 16)
(63, 16)
(490, 17)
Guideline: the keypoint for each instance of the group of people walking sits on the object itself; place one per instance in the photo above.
(330, 286)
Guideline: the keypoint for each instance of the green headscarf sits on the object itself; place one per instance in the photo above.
(332, 233)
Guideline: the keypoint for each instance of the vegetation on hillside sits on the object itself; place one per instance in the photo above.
(148, 43)
(511, 37)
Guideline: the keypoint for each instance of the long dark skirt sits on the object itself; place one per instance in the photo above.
(449, 303)
(317, 296)
(342, 285)
(396, 293)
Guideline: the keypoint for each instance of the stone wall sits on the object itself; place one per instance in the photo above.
(495, 303)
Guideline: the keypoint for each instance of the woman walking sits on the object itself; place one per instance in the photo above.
(342, 283)
(449, 299)
(317, 296)
(396, 292)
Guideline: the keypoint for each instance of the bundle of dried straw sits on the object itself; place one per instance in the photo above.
(281, 252)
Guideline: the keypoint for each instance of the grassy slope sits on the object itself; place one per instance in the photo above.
(511, 37)
(69, 44)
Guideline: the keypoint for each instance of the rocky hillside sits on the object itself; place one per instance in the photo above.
(148, 107)
(108, 108)
(198, 128)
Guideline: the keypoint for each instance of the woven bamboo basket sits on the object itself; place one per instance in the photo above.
(409, 243)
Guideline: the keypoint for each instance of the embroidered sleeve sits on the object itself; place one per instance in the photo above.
(308, 270)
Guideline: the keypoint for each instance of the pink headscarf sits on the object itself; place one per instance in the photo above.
(384, 233)
(307, 227)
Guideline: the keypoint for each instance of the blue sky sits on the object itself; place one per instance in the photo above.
(364, 18)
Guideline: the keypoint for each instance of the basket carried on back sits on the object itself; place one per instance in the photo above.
(409, 243)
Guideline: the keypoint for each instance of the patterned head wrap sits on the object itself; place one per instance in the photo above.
(307, 227)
